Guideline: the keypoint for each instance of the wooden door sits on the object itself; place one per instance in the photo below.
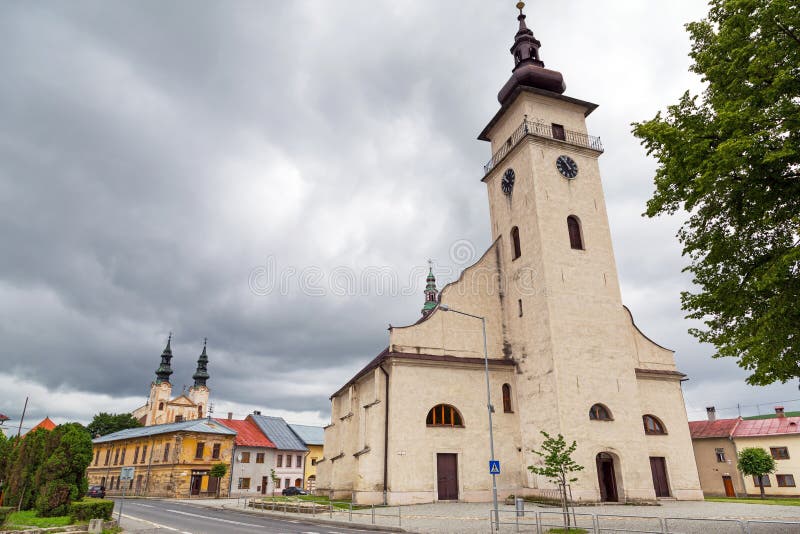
(447, 477)
(264, 481)
(729, 491)
(195, 484)
(607, 478)
(658, 467)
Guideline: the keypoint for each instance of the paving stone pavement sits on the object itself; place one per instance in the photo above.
(706, 517)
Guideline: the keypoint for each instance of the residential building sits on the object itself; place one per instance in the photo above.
(543, 304)
(253, 464)
(169, 460)
(161, 407)
(717, 444)
(314, 438)
(290, 451)
(45, 423)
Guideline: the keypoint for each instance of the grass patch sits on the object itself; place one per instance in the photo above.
(343, 504)
(756, 500)
(30, 518)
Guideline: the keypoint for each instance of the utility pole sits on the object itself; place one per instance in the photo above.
(21, 419)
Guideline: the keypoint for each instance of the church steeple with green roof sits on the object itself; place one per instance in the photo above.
(165, 369)
(201, 374)
(431, 293)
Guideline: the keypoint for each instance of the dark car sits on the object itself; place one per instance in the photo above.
(97, 491)
(294, 491)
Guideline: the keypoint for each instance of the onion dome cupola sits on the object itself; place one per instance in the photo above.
(201, 374)
(529, 69)
(431, 293)
(165, 369)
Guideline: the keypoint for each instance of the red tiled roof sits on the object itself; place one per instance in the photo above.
(45, 423)
(766, 427)
(247, 433)
(721, 428)
(3, 417)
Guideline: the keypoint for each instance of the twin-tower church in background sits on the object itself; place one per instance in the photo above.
(564, 353)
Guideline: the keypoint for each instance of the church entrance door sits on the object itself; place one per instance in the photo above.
(607, 478)
(658, 466)
(447, 477)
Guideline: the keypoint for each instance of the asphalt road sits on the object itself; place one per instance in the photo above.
(151, 515)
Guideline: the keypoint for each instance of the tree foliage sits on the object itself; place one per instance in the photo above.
(755, 461)
(731, 159)
(558, 462)
(46, 469)
(108, 423)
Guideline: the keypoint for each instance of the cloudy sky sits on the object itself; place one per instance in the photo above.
(246, 171)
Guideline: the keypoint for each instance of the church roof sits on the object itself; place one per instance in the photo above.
(202, 426)
(247, 433)
(311, 435)
(278, 432)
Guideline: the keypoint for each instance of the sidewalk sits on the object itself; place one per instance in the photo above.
(474, 517)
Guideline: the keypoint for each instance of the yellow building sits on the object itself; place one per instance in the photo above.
(171, 460)
(717, 444)
(313, 437)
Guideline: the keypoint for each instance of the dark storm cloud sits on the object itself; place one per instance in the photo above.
(154, 156)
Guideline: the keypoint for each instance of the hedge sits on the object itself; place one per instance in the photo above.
(91, 509)
(4, 512)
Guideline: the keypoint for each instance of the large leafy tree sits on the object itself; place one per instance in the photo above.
(107, 423)
(756, 462)
(730, 158)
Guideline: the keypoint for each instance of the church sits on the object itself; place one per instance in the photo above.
(161, 407)
(543, 305)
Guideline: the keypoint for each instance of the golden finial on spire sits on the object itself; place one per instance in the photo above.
(520, 5)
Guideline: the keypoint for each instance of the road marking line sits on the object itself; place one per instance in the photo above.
(229, 521)
(141, 504)
(157, 525)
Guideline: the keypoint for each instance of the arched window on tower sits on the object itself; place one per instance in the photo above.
(515, 242)
(199, 411)
(653, 425)
(599, 412)
(444, 415)
(507, 399)
(160, 405)
(574, 228)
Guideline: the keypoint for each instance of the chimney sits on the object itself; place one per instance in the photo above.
(230, 416)
(256, 412)
(779, 411)
(712, 413)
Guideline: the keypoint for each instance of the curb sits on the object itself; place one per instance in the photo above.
(311, 519)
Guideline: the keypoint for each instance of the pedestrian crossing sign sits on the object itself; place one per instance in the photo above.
(494, 467)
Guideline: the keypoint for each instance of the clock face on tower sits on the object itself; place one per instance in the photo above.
(567, 167)
(507, 184)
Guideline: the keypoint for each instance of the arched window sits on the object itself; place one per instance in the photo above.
(298, 483)
(515, 241)
(507, 399)
(598, 412)
(653, 425)
(199, 411)
(444, 415)
(160, 405)
(574, 227)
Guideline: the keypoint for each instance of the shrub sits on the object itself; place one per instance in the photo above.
(53, 499)
(4, 511)
(91, 509)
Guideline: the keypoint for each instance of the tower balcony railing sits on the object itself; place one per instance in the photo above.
(548, 131)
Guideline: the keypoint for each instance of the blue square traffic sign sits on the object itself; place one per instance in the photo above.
(494, 467)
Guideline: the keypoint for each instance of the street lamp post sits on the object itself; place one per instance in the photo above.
(489, 407)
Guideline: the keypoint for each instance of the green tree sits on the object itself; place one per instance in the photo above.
(756, 462)
(558, 466)
(24, 459)
(61, 478)
(218, 471)
(731, 160)
(107, 423)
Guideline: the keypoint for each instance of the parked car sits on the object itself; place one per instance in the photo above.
(294, 491)
(96, 491)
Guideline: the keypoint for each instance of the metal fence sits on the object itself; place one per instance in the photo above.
(541, 522)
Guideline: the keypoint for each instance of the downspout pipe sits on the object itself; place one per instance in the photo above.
(385, 438)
